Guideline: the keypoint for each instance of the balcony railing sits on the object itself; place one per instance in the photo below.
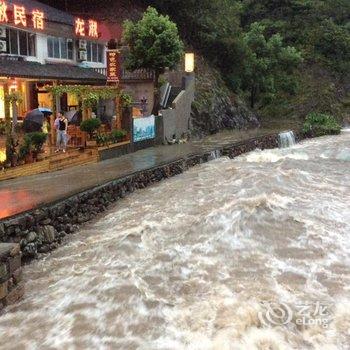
(5, 57)
(137, 75)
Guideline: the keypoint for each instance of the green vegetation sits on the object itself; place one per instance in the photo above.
(276, 54)
(269, 66)
(32, 145)
(318, 124)
(154, 43)
(118, 135)
(90, 126)
(37, 140)
(113, 137)
(25, 148)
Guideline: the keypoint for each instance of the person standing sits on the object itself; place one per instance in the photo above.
(62, 128)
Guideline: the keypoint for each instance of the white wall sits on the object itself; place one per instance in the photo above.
(41, 49)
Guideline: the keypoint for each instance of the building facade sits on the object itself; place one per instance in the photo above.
(41, 46)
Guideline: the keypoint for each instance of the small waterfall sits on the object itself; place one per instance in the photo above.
(215, 154)
(286, 139)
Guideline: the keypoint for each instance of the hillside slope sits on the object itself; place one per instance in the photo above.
(215, 29)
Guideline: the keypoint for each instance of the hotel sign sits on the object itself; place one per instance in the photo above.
(86, 28)
(19, 16)
(113, 66)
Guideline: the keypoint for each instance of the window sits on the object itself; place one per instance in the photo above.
(2, 104)
(21, 43)
(94, 52)
(60, 48)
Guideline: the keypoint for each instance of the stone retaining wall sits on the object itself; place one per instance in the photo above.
(11, 288)
(44, 229)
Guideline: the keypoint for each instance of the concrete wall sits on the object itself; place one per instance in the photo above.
(138, 90)
(176, 121)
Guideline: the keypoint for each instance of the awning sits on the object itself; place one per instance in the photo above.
(34, 70)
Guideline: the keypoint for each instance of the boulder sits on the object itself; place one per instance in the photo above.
(48, 233)
(31, 237)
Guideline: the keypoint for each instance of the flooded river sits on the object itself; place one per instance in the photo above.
(244, 254)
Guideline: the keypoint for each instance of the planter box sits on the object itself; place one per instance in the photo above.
(92, 143)
(114, 150)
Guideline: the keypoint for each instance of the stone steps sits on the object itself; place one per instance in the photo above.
(70, 159)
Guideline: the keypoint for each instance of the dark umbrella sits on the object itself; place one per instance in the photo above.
(106, 119)
(73, 117)
(33, 121)
(47, 111)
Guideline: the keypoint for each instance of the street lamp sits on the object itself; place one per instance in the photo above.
(189, 62)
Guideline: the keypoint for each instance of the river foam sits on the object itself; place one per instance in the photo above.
(193, 262)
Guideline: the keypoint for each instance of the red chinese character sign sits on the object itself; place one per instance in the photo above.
(85, 28)
(3, 12)
(79, 27)
(93, 29)
(113, 66)
(18, 15)
(38, 19)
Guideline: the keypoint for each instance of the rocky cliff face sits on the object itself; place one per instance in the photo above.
(215, 107)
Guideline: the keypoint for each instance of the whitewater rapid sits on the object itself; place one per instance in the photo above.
(192, 262)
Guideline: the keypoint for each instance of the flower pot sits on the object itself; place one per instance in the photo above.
(29, 158)
(40, 156)
(91, 143)
(14, 160)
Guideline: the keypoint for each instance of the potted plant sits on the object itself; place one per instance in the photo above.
(90, 126)
(25, 151)
(118, 135)
(37, 141)
(102, 140)
(32, 146)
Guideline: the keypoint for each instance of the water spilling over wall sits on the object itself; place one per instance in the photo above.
(286, 139)
(190, 262)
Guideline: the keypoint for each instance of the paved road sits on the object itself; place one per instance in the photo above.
(25, 193)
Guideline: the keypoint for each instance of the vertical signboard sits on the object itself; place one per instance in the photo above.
(113, 66)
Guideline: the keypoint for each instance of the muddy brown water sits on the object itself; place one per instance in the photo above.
(193, 262)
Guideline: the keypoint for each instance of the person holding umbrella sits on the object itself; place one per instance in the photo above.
(61, 128)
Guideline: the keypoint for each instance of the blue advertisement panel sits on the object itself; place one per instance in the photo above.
(144, 128)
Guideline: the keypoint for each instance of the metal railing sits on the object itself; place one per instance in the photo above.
(137, 75)
(5, 57)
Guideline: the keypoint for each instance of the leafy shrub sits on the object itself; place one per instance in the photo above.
(33, 143)
(118, 135)
(318, 124)
(35, 140)
(25, 148)
(102, 139)
(90, 126)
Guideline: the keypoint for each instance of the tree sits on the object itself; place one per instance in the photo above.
(334, 45)
(155, 44)
(269, 64)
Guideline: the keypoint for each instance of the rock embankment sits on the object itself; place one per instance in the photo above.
(11, 286)
(44, 229)
(215, 108)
